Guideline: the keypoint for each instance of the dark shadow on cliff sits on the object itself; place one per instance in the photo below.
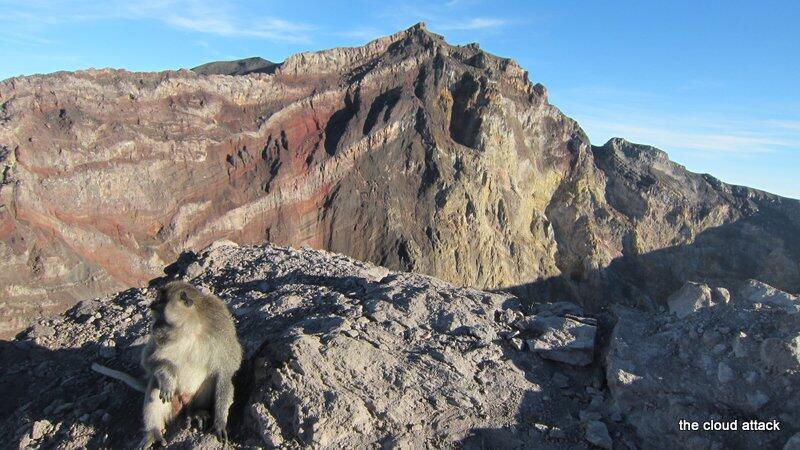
(764, 246)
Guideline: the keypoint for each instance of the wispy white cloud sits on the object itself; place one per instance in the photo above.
(793, 125)
(671, 135)
(362, 33)
(475, 23)
(199, 16)
(651, 118)
(450, 16)
(264, 28)
(23, 40)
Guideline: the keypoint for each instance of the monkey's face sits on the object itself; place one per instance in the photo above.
(172, 307)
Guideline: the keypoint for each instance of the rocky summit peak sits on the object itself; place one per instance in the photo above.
(420, 29)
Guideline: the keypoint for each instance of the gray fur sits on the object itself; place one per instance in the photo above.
(190, 360)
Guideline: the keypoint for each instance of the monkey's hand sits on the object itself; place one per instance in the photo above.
(166, 385)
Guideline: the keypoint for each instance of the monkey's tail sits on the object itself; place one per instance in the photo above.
(121, 376)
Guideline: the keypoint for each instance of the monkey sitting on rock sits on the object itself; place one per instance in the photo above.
(190, 358)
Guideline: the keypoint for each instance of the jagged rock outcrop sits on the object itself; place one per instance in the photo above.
(339, 354)
(344, 354)
(407, 152)
(723, 362)
(674, 226)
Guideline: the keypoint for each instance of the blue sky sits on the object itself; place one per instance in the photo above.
(715, 84)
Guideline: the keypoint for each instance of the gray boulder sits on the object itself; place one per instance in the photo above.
(597, 434)
(689, 298)
(569, 339)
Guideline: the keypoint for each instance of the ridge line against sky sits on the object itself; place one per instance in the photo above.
(713, 85)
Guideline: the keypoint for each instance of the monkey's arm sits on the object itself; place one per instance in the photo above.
(160, 370)
(164, 375)
(223, 399)
(121, 376)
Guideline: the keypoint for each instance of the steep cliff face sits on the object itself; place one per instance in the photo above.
(407, 152)
(677, 226)
(634, 227)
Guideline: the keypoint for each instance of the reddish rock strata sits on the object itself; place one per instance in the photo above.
(407, 152)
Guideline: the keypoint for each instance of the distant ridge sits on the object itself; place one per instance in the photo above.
(237, 67)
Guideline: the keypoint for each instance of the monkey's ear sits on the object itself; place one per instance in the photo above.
(186, 299)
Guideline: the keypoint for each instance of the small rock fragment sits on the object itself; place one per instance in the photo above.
(351, 333)
(193, 270)
(375, 274)
(40, 428)
(557, 309)
(540, 427)
(597, 434)
(508, 316)
(721, 295)
(739, 348)
(509, 334)
(724, 373)
(689, 298)
(757, 400)
(756, 292)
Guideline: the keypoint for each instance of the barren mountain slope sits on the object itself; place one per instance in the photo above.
(407, 152)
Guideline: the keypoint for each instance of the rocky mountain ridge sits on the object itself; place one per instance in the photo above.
(440, 159)
(344, 354)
